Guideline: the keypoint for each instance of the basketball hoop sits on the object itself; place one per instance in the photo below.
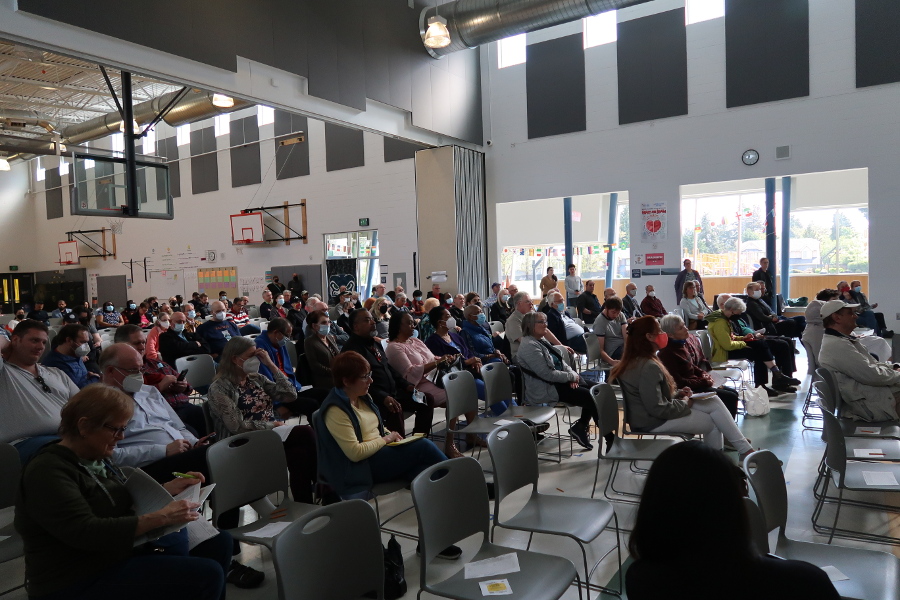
(116, 225)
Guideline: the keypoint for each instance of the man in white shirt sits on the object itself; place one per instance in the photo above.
(31, 395)
(574, 287)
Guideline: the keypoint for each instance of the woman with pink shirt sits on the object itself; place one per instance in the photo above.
(161, 325)
(411, 357)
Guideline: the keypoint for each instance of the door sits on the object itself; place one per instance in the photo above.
(112, 288)
(16, 290)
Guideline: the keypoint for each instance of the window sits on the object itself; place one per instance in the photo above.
(363, 246)
(600, 29)
(39, 173)
(703, 10)
(183, 135)
(63, 167)
(264, 115)
(118, 142)
(223, 125)
(511, 51)
(88, 163)
(830, 240)
(150, 142)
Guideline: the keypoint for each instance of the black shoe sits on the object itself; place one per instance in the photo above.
(579, 432)
(772, 393)
(786, 389)
(781, 381)
(244, 577)
(887, 333)
(448, 553)
(795, 381)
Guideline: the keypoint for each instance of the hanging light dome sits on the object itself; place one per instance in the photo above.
(222, 101)
(437, 35)
(135, 128)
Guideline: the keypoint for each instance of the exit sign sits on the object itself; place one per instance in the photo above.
(364, 222)
(13, 267)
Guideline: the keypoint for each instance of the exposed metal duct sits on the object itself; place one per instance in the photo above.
(195, 106)
(18, 119)
(473, 23)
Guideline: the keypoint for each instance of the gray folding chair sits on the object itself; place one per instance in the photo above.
(201, 369)
(622, 450)
(312, 554)
(498, 387)
(497, 326)
(514, 456)
(593, 353)
(462, 398)
(12, 547)
(247, 468)
(829, 400)
(451, 503)
(872, 574)
(812, 364)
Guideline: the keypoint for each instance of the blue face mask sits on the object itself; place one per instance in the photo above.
(282, 342)
(109, 309)
(191, 314)
(415, 333)
(857, 289)
(561, 306)
(677, 342)
(132, 306)
(481, 319)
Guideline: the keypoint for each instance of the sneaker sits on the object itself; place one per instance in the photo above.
(244, 577)
(448, 553)
(579, 432)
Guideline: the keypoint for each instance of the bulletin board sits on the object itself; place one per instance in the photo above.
(211, 281)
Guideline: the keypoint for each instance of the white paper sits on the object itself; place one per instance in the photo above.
(718, 378)
(283, 431)
(868, 453)
(148, 496)
(868, 431)
(305, 388)
(270, 530)
(879, 478)
(495, 587)
(834, 574)
(702, 395)
(498, 565)
(199, 531)
(502, 422)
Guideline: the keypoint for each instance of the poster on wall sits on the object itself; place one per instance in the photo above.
(340, 272)
(653, 221)
(656, 259)
(211, 281)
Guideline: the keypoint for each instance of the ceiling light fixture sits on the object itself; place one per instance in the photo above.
(437, 35)
(222, 101)
(4, 164)
(134, 127)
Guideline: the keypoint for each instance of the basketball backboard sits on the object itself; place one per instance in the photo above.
(68, 253)
(100, 187)
(247, 228)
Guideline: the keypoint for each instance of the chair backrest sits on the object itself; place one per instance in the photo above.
(593, 346)
(497, 327)
(201, 369)
(514, 456)
(826, 399)
(497, 383)
(835, 446)
(607, 408)
(812, 361)
(311, 556)
(679, 312)
(10, 472)
(764, 472)
(252, 311)
(462, 393)
(758, 532)
(302, 370)
(705, 343)
(246, 467)
(292, 353)
(831, 383)
(451, 503)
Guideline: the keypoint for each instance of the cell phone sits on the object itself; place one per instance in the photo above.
(207, 438)
(182, 375)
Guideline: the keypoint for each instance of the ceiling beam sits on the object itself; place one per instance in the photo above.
(47, 85)
(11, 98)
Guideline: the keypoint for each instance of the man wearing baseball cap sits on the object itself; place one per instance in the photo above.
(870, 389)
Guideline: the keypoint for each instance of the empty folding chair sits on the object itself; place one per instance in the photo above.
(201, 370)
(514, 456)
(812, 364)
(11, 546)
(497, 327)
(451, 503)
(593, 356)
(462, 398)
(622, 449)
(498, 387)
(312, 555)
(871, 574)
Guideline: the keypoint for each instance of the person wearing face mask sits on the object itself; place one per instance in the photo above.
(380, 313)
(561, 324)
(477, 339)
(501, 309)
(241, 399)
(71, 348)
(764, 318)
(201, 306)
(320, 348)
(109, 317)
(278, 309)
(274, 341)
(20, 316)
(651, 305)
(654, 403)
(161, 325)
(630, 306)
(179, 341)
(131, 309)
(223, 298)
(867, 317)
(417, 305)
(276, 287)
(218, 330)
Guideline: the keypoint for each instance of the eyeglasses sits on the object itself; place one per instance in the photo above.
(43, 384)
(366, 376)
(116, 430)
(138, 371)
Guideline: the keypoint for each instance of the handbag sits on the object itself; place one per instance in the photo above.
(756, 402)
(394, 572)
(437, 375)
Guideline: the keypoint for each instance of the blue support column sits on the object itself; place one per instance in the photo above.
(771, 248)
(567, 232)
(611, 237)
(786, 237)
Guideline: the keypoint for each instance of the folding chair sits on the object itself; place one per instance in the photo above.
(497, 327)
(872, 574)
(812, 365)
(498, 387)
(462, 398)
(593, 354)
(201, 370)
(11, 544)
(451, 503)
(622, 449)
(311, 556)
(830, 400)
(514, 456)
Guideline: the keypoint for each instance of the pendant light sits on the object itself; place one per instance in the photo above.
(222, 101)
(437, 35)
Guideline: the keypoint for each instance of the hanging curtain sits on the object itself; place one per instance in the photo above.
(471, 221)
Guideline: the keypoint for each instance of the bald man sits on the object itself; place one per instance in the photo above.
(630, 305)
(218, 330)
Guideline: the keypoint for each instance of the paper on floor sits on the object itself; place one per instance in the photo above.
(868, 453)
(270, 530)
(495, 587)
(497, 565)
(834, 574)
(879, 478)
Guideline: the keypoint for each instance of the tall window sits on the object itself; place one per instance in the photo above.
(222, 125)
(703, 10)
(600, 29)
(39, 172)
(830, 240)
(264, 115)
(150, 142)
(511, 51)
(183, 135)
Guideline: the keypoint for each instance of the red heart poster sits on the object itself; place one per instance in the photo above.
(654, 218)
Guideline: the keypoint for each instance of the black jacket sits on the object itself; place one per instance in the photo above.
(761, 314)
(172, 347)
(765, 277)
(386, 380)
(589, 301)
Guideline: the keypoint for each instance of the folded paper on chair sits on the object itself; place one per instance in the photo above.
(879, 478)
(497, 565)
(834, 574)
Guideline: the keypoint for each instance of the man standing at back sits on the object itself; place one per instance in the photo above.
(218, 330)
(688, 274)
(763, 274)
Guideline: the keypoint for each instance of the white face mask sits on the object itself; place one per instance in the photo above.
(324, 329)
(251, 365)
(163, 324)
(191, 314)
(633, 292)
(220, 316)
(651, 294)
(179, 327)
(451, 323)
(132, 384)
(82, 350)
(757, 294)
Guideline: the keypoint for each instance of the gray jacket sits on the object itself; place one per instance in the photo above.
(867, 386)
(535, 356)
(647, 396)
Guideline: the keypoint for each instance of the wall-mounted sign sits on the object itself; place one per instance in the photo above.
(656, 259)
(364, 222)
(13, 267)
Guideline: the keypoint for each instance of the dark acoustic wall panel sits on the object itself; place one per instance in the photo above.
(290, 34)
(336, 52)
(204, 161)
(344, 148)
(291, 160)
(399, 150)
(877, 42)
(52, 178)
(54, 200)
(652, 67)
(766, 50)
(554, 85)
(168, 149)
(245, 164)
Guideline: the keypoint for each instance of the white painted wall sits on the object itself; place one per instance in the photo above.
(384, 192)
(837, 127)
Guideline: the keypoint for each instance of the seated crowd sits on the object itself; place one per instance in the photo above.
(85, 414)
